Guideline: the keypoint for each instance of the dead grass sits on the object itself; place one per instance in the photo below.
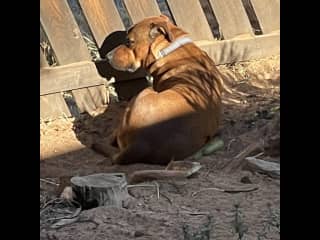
(92, 47)
(48, 53)
(238, 223)
(261, 73)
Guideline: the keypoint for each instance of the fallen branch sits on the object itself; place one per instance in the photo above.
(65, 220)
(166, 197)
(239, 190)
(229, 144)
(72, 216)
(174, 170)
(50, 182)
(270, 168)
(189, 211)
(194, 213)
(158, 190)
(44, 208)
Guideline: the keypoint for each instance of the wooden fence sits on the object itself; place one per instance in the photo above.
(236, 22)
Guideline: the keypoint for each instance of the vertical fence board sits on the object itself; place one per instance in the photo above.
(103, 18)
(99, 95)
(84, 100)
(139, 9)
(268, 14)
(62, 31)
(232, 18)
(53, 106)
(189, 15)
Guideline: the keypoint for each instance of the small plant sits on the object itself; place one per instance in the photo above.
(240, 228)
(271, 223)
(202, 234)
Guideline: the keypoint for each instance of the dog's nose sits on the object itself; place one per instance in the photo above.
(109, 55)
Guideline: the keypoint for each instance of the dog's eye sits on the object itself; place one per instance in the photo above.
(130, 42)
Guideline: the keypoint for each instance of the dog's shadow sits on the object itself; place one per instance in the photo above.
(99, 129)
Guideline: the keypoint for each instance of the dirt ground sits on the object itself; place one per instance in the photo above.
(250, 117)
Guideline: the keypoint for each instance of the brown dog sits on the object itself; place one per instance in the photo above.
(181, 112)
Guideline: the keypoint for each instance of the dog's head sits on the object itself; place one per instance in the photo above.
(144, 41)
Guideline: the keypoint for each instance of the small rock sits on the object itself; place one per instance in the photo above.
(246, 180)
(246, 177)
(138, 234)
(67, 194)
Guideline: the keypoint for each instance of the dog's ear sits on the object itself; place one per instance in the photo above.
(165, 17)
(163, 28)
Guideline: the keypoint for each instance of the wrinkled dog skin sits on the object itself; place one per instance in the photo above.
(181, 112)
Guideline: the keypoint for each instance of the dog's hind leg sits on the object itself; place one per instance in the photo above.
(132, 154)
(107, 147)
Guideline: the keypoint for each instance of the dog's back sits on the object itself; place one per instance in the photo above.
(182, 111)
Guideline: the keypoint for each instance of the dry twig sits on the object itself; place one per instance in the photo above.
(235, 190)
